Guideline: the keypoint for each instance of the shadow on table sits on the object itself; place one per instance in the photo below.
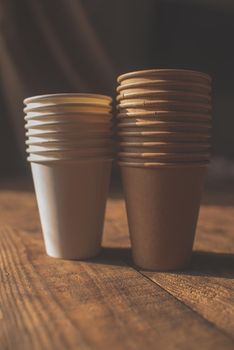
(202, 264)
(211, 265)
(113, 256)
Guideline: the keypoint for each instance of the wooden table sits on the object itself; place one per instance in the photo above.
(107, 302)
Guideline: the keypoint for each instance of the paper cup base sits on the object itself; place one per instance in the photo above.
(71, 199)
(162, 207)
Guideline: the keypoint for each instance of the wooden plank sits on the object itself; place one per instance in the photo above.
(53, 304)
(207, 286)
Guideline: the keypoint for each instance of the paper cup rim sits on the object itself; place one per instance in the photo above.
(164, 144)
(164, 113)
(58, 127)
(146, 133)
(163, 82)
(43, 125)
(107, 115)
(167, 93)
(202, 126)
(163, 165)
(170, 103)
(140, 73)
(68, 133)
(164, 155)
(85, 151)
(65, 160)
(73, 142)
(65, 105)
(66, 94)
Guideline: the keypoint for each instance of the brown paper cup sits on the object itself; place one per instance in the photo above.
(164, 94)
(171, 74)
(165, 84)
(72, 226)
(162, 206)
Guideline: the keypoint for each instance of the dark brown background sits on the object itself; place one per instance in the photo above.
(81, 46)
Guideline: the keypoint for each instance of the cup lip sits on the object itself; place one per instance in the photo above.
(43, 124)
(107, 115)
(183, 125)
(164, 156)
(166, 93)
(27, 109)
(181, 72)
(163, 133)
(58, 126)
(166, 103)
(73, 160)
(66, 94)
(163, 165)
(163, 113)
(78, 152)
(163, 82)
(94, 142)
(45, 133)
(182, 145)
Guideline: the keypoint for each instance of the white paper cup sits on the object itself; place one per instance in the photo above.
(72, 226)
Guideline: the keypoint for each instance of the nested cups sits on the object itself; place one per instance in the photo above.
(164, 130)
(69, 142)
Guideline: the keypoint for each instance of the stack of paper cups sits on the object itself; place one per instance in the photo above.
(69, 141)
(164, 127)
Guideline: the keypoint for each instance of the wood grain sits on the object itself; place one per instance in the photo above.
(106, 302)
